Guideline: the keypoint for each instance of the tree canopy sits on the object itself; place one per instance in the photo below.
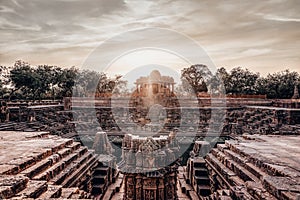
(196, 77)
(24, 81)
(240, 81)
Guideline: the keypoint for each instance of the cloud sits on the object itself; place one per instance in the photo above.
(281, 19)
(232, 32)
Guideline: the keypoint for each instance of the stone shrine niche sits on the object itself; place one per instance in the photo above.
(150, 186)
(149, 174)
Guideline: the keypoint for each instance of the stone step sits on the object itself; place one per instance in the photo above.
(8, 169)
(203, 190)
(98, 189)
(234, 180)
(254, 164)
(80, 195)
(10, 185)
(184, 186)
(65, 151)
(225, 172)
(56, 168)
(53, 191)
(246, 163)
(60, 165)
(257, 191)
(74, 146)
(113, 189)
(23, 163)
(99, 179)
(67, 171)
(243, 173)
(101, 170)
(202, 180)
(199, 162)
(66, 193)
(236, 157)
(46, 163)
(33, 189)
(80, 172)
(62, 143)
(200, 172)
(37, 168)
(222, 147)
(255, 170)
(276, 185)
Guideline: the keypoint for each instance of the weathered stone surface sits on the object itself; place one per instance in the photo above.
(31, 163)
(149, 167)
(10, 185)
(261, 167)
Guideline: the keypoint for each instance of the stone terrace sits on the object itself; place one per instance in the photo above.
(257, 167)
(39, 165)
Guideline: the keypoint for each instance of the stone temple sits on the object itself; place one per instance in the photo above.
(153, 144)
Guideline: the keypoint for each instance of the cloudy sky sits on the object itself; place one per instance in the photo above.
(263, 36)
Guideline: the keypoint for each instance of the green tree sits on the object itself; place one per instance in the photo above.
(86, 82)
(66, 81)
(21, 76)
(108, 85)
(240, 81)
(278, 85)
(196, 77)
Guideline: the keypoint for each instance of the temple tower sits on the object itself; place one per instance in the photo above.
(149, 167)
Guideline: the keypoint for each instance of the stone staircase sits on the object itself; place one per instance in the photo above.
(114, 188)
(106, 181)
(46, 166)
(184, 184)
(100, 180)
(200, 180)
(244, 175)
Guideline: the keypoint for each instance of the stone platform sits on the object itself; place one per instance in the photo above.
(256, 167)
(39, 165)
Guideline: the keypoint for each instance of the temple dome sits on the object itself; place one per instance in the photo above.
(155, 75)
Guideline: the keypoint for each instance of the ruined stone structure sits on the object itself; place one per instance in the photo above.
(155, 83)
(106, 171)
(256, 167)
(255, 157)
(150, 167)
(154, 89)
(197, 174)
(39, 165)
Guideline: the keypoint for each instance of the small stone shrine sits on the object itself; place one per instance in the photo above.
(149, 166)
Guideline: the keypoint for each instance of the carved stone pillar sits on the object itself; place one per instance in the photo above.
(130, 187)
(161, 189)
(139, 187)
